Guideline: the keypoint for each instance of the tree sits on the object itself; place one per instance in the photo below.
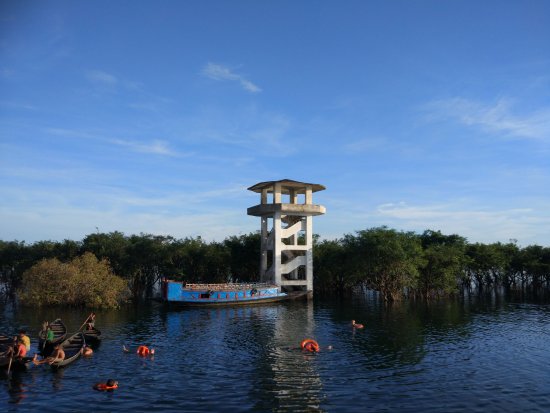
(486, 263)
(244, 256)
(84, 281)
(113, 246)
(189, 256)
(331, 270)
(386, 260)
(147, 261)
(14, 260)
(536, 262)
(440, 272)
(443, 264)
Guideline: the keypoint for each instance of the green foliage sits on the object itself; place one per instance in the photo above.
(113, 246)
(146, 261)
(385, 260)
(243, 253)
(14, 260)
(441, 271)
(330, 263)
(394, 263)
(189, 257)
(443, 264)
(84, 281)
(16, 257)
(486, 263)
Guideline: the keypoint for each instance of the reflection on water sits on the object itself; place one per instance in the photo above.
(287, 377)
(15, 387)
(443, 357)
(57, 378)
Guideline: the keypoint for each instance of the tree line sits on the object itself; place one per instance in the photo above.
(401, 264)
(395, 263)
(141, 260)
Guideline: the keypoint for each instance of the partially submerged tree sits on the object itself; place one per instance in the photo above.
(443, 265)
(386, 260)
(84, 281)
(430, 264)
(331, 269)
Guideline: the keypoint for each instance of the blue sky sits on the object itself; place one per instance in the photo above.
(155, 116)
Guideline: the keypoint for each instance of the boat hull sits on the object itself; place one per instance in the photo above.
(72, 347)
(59, 334)
(6, 340)
(92, 337)
(214, 295)
(17, 364)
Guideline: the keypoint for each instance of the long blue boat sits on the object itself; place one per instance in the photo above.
(223, 294)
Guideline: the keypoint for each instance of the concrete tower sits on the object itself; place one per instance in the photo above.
(287, 211)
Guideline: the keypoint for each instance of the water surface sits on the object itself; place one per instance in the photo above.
(445, 357)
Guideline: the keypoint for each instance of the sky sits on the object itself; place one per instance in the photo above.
(155, 117)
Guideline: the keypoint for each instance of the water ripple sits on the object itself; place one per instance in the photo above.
(409, 358)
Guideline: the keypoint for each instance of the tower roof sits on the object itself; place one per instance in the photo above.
(286, 185)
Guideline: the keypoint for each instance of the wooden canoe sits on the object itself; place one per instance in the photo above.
(17, 364)
(5, 355)
(5, 343)
(72, 347)
(92, 337)
(59, 334)
(6, 340)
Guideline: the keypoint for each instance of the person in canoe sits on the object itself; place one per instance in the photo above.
(49, 334)
(21, 349)
(90, 322)
(18, 350)
(25, 338)
(57, 355)
(47, 331)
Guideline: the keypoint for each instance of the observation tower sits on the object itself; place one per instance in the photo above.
(286, 210)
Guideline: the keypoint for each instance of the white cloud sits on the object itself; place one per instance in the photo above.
(73, 212)
(499, 117)
(247, 128)
(475, 223)
(218, 72)
(99, 77)
(251, 87)
(71, 133)
(191, 199)
(71, 223)
(156, 147)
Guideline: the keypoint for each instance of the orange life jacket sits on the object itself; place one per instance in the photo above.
(104, 387)
(143, 351)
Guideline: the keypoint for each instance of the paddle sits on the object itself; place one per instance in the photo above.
(12, 354)
(9, 365)
(44, 331)
(87, 318)
(45, 339)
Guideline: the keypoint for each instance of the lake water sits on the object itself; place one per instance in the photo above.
(475, 356)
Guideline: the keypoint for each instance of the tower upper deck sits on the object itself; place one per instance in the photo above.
(287, 197)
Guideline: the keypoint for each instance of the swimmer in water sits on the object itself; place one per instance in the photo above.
(356, 325)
